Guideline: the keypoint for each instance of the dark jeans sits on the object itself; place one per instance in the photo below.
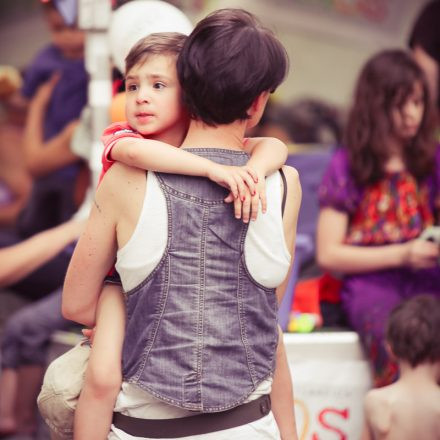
(44, 280)
(26, 334)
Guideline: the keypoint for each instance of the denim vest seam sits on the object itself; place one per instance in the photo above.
(163, 296)
(153, 332)
(202, 299)
(241, 312)
(188, 197)
(200, 314)
(242, 319)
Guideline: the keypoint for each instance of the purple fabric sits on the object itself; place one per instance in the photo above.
(70, 93)
(367, 299)
(339, 191)
(52, 199)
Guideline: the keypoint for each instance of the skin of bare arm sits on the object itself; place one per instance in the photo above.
(95, 251)
(19, 260)
(153, 155)
(267, 156)
(43, 157)
(334, 254)
(103, 378)
(282, 388)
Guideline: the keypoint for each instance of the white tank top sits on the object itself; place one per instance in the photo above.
(266, 254)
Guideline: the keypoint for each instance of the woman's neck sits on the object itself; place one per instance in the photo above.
(228, 136)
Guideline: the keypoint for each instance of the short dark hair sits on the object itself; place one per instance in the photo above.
(413, 330)
(228, 60)
(159, 43)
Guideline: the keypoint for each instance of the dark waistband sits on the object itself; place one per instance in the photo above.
(194, 425)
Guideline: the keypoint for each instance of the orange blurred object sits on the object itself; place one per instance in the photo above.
(117, 108)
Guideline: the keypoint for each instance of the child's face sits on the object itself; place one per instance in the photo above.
(69, 39)
(153, 93)
(407, 117)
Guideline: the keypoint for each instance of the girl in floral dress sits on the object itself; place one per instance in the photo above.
(377, 196)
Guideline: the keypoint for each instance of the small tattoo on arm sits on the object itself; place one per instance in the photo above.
(97, 206)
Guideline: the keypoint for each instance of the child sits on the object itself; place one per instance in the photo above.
(56, 171)
(409, 408)
(377, 196)
(152, 109)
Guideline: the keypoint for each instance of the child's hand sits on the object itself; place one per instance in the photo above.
(245, 208)
(248, 208)
(239, 180)
(89, 333)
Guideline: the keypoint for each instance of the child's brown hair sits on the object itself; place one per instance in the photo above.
(160, 43)
(413, 330)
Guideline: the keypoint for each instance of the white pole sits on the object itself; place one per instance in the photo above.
(94, 17)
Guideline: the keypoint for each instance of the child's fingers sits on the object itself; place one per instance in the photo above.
(86, 332)
(241, 186)
(89, 334)
(229, 198)
(246, 208)
(237, 207)
(252, 173)
(233, 186)
(254, 206)
(248, 180)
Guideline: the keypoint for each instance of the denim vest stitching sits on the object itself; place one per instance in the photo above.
(151, 337)
(244, 338)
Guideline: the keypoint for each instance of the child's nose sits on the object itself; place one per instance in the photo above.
(142, 96)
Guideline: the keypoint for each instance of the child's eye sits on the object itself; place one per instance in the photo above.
(159, 85)
(131, 87)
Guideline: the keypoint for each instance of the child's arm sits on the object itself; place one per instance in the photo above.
(93, 415)
(154, 155)
(282, 394)
(43, 157)
(282, 387)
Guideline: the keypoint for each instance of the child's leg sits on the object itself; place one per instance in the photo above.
(103, 377)
(282, 394)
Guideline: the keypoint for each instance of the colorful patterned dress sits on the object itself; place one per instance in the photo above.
(393, 210)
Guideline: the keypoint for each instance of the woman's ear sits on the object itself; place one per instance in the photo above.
(256, 110)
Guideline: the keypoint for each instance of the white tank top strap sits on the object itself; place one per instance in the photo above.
(145, 248)
(266, 254)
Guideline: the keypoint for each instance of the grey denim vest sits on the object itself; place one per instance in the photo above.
(201, 334)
